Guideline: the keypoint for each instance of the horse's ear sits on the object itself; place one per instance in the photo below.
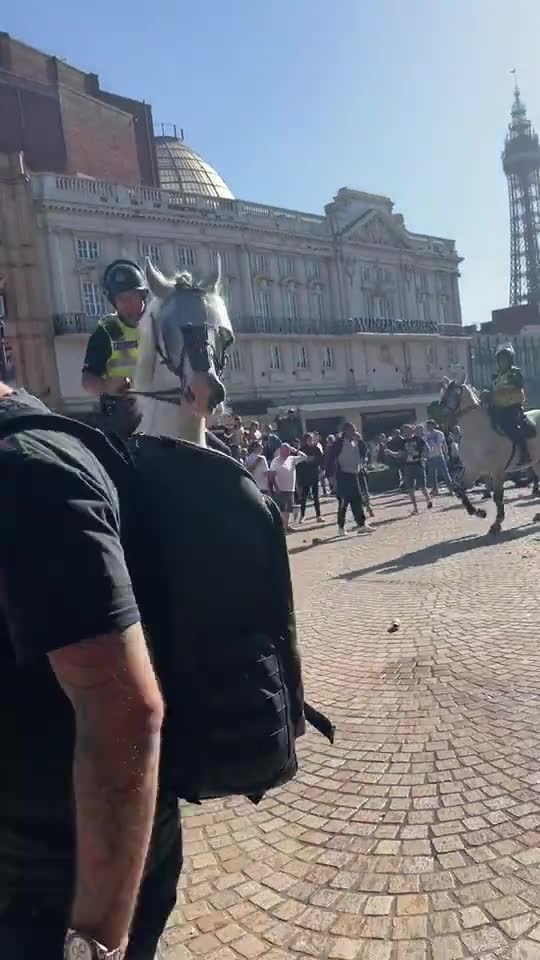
(159, 286)
(445, 381)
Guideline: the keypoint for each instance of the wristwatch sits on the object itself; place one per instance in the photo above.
(79, 947)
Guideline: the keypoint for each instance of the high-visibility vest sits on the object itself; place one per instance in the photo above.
(510, 399)
(124, 347)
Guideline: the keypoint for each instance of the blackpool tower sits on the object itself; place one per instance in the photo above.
(521, 163)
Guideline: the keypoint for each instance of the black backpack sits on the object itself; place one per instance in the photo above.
(209, 565)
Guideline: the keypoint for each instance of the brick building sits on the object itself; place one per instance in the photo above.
(25, 301)
(64, 122)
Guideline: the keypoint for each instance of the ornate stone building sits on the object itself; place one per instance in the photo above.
(345, 313)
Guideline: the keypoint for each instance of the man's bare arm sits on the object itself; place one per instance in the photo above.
(118, 713)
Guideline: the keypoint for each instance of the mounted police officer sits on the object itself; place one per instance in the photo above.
(111, 354)
(506, 399)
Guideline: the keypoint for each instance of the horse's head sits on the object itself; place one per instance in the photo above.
(191, 333)
(456, 396)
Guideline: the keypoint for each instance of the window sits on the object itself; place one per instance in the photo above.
(313, 269)
(384, 308)
(92, 299)
(328, 358)
(318, 305)
(224, 259)
(431, 355)
(185, 257)
(236, 359)
(275, 357)
(259, 262)
(370, 306)
(263, 303)
(286, 267)
(302, 357)
(365, 273)
(87, 249)
(152, 251)
(291, 305)
(388, 276)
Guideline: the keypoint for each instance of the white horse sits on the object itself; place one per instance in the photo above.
(184, 336)
(484, 451)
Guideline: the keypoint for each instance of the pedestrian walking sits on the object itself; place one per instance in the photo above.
(348, 454)
(308, 473)
(412, 454)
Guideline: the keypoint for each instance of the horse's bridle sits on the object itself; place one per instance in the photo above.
(201, 354)
(454, 413)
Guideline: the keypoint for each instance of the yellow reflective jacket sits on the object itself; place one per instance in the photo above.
(124, 347)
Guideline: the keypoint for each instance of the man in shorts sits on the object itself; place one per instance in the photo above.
(412, 452)
(282, 480)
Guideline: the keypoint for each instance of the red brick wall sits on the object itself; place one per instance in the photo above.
(31, 122)
(25, 61)
(144, 133)
(100, 141)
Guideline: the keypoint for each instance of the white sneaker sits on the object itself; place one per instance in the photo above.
(321, 520)
(342, 532)
(366, 528)
(300, 520)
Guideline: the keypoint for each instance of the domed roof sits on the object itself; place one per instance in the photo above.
(183, 170)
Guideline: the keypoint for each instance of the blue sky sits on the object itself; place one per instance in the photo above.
(291, 99)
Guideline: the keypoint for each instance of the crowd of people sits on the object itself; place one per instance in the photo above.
(294, 470)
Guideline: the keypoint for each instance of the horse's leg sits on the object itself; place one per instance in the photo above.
(498, 496)
(471, 510)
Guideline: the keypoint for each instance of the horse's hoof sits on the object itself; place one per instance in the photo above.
(495, 528)
(481, 513)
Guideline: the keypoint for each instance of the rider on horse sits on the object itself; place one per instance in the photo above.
(506, 399)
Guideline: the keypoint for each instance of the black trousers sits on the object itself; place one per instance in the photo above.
(28, 931)
(349, 494)
(305, 490)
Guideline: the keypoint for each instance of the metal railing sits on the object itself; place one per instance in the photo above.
(74, 323)
(65, 323)
(352, 325)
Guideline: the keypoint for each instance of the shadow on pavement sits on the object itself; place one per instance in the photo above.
(439, 551)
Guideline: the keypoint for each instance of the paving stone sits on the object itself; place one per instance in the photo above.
(446, 948)
(472, 917)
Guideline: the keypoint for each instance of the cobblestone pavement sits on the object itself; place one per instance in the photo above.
(417, 836)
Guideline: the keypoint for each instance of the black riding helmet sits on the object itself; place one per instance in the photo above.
(121, 276)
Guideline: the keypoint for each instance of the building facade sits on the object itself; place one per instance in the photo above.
(344, 314)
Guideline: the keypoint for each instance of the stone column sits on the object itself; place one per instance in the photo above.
(247, 298)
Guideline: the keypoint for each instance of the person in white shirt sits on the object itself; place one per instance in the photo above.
(236, 438)
(257, 464)
(437, 461)
(282, 480)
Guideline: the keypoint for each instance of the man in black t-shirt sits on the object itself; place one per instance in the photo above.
(81, 711)
(411, 451)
